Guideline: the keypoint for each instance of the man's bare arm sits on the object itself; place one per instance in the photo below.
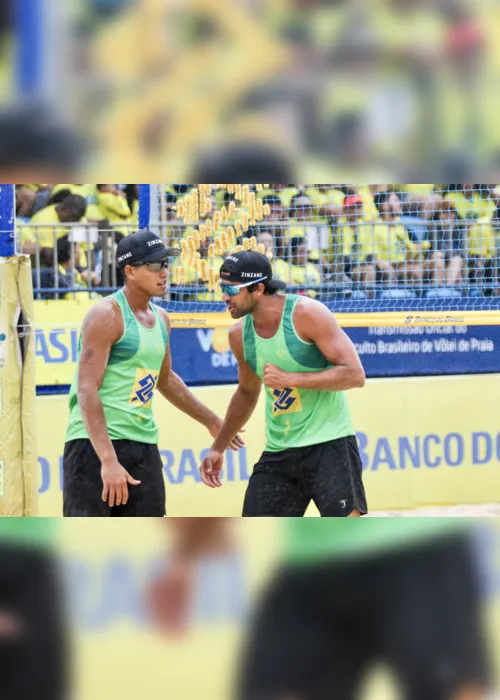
(245, 399)
(172, 387)
(102, 327)
(316, 324)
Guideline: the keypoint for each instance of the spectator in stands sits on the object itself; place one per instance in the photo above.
(414, 219)
(50, 226)
(303, 272)
(470, 203)
(327, 200)
(25, 202)
(281, 269)
(367, 192)
(132, 197)
(482, 253)
(278, 211)
(87, 191)
(396, 255)
(277, 221)
(112, 203)
(111, 275)
(304, 224)
(447, 238)
(69, 274)
(58, 195)
(42, 195)
(358, 237)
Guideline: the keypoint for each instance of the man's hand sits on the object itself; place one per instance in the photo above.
(211, 468)
(276, 378)
(116, 479)
(237, 442)
(170, 596)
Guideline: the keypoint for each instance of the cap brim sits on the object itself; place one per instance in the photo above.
(273, 283)
(160, 255)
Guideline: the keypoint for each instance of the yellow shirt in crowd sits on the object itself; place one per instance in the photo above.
(358, 241)
(470, 209)
(392, 243)
(482, 239)
(46, 234)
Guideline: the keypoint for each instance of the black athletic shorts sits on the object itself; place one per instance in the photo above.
(83, 483)
(35, 664)
(320, 629)
(283, 484)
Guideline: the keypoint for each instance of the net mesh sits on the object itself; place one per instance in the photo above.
(357, 248)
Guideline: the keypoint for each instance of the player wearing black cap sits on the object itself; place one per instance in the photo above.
(295, 347)
(123, 358)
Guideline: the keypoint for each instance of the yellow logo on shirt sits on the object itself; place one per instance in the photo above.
(144, 387)
(287, 401)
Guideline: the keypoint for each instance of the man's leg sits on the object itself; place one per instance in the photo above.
(82, 489)
(274, 490)
(338, 490)
(143, 462)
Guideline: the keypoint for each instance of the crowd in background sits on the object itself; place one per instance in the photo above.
(324, 240)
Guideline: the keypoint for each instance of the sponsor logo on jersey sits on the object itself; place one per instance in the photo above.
(144, 387)
(286, 401)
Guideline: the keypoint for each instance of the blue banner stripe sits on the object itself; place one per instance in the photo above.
(144, 206)
(7, 221)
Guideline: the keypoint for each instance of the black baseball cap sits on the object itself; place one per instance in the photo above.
(248, 265)
(143, 247)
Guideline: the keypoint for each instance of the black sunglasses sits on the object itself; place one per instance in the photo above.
(153, 266)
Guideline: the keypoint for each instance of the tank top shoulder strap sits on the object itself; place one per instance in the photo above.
(249, 344)
(161, 322)
(306, 354)
(120, 299)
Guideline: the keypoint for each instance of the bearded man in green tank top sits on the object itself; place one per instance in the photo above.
(112, 465)
(295, 347)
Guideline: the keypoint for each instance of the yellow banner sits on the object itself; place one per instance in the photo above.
(432, 441)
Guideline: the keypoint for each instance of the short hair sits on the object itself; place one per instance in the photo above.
(59, 196)
(380, 199)
(76, 203)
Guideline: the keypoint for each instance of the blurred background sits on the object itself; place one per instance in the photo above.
(351, 89)
(107, 568)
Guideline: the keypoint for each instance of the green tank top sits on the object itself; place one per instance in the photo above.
(129, 382)
(29, 532)
(313, 540)
(295, 417)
